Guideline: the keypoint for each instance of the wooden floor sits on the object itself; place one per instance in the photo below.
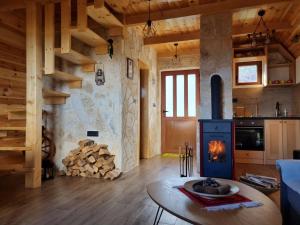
(88, 201)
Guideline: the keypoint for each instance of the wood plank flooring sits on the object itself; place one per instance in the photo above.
(88, 201)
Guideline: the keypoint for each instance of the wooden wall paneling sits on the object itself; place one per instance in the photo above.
(12, 21)
(82, 18)
(12, 38)
(49, 39)
(13, 59)
(65, 26)
(34, 93)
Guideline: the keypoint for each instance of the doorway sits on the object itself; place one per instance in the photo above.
(180, 96)
(144, 113)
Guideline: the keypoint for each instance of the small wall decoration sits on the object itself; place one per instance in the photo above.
(99, 77)
(129, 68)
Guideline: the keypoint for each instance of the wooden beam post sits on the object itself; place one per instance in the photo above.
(65, 26)
(33, 93)
(49, 39)
(82, 15)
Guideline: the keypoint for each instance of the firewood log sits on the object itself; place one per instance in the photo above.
(96, 148)
(113, 174)
(91, 159)
(86, 142)
(96, 169)
(103, 151)
(89, 168)
(103, 146)
(82, 174)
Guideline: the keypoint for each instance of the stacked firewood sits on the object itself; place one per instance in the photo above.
(91, 160)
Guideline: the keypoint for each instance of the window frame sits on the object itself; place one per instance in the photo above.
(259, 72)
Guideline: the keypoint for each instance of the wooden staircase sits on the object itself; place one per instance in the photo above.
(83, 33)
(13, 107)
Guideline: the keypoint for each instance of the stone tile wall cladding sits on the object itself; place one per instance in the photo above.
(113, 109)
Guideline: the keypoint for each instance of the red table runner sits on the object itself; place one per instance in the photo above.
(204, 202)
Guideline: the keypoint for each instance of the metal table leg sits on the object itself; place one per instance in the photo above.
(158, 215)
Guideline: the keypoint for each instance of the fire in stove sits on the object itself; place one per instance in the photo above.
(216, 151)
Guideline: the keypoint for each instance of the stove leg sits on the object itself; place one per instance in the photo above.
(158, 215)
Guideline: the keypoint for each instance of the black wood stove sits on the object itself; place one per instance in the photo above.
(216, 138)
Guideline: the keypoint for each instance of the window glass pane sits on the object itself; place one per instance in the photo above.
(247, 74)
(180, 95)
(169, 96)
(191, 95)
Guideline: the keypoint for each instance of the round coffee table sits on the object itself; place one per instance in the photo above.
(169, 198)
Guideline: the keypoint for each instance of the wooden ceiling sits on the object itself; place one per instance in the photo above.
(178, 26)
(179, 20)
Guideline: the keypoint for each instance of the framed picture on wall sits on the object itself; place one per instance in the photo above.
(129, 68)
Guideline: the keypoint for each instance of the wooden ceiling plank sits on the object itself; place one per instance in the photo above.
(215, 7)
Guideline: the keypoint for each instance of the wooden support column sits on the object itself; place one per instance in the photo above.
(65, 26)
(34, 92)
(81, 15)
(49, 39)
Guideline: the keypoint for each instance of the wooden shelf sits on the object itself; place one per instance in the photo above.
(12, 128)
(48, 93)
(52, 97)
(279, 65)
(104, 16)
(280, 85)
(88, 37)
(15, 149)
(74, 57)
(72, 80)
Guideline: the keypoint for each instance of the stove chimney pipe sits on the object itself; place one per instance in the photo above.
(216, 97)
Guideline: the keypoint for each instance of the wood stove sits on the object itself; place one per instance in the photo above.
(216, 138)
(216, 148)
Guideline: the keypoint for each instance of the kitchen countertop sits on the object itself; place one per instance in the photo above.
(268, 118)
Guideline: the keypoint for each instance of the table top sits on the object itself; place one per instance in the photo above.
(178, 204)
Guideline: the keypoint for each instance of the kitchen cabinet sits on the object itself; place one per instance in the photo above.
(280, 139)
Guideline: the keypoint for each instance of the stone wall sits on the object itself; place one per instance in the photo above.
(111, 109)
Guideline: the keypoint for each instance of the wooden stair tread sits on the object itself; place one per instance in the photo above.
(48, 93)
(89, 37)
(63, 76)
(103, 16)
(15, 149)
(74, 57)
(13, 128)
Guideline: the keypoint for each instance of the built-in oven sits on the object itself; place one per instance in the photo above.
(249, 135)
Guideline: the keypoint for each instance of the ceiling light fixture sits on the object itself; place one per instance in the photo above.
(261, 38)
(149, 28)
(176, 59)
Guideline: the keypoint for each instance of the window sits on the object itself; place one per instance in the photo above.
(248, 73)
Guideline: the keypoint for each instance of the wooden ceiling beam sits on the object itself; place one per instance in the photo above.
(209, 8)
(20, 4)
(195, 35)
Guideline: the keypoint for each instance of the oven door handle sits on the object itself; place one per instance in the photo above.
(249, 127)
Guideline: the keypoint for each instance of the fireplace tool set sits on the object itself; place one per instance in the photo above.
(186, 161)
